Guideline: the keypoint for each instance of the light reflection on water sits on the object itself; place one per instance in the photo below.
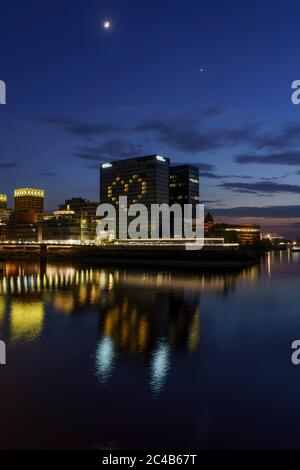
(144, 314)
(104, 358)
(132, 328)
(141, 315)
(26, 320)
(160, 365)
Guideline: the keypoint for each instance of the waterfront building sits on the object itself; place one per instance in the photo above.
(142, 179)
(4, 220)
(66, 225)
(28, 203)
(246, 233)
(3, 201)
(29, 198)
(84, 215)
(184, 184)
(23, 221)
(24, 232)
(60, 226)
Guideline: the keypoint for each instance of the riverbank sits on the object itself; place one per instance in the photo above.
(164, 257)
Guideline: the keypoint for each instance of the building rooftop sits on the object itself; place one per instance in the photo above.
(33, 192)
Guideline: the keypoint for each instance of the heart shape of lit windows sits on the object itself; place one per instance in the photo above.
(118, 181)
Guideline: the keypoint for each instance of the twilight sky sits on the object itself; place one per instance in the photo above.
(206, 82)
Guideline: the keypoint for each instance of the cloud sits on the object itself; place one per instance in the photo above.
(276, 178)
(287, 137)
(79, 128)
(201, 165)
(266, 211)
(8, 166)
(209, 174)
(110, 150)
(284, 158)
(212, 201)
(187, 134)
(261, 187)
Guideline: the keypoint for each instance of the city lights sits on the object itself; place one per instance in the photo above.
(29, 192)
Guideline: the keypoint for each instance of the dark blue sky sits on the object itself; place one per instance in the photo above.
(77, 95)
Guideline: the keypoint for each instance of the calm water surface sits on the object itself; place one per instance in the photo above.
(150, 359)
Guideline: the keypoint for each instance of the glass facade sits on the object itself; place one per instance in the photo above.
(142, 179)
(184, 184)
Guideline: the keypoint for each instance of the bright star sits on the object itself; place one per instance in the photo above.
(106, 24)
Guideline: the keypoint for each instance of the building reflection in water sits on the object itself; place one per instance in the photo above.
(144, 316)
(2, 311)
(147, 325)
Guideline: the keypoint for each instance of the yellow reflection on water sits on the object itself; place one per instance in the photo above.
(26, 320)
(2, 309)
(63, 302)
(194, 331)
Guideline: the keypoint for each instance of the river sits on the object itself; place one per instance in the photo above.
(150, 359)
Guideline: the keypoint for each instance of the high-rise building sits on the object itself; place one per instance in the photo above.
(184, 184)
(29, 203)
(3, 201)
(29, 199)
(143, 180)
(4, 217)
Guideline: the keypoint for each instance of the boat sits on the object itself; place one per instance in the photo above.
(295, 248)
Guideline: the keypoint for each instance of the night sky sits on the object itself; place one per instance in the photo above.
(205, 82)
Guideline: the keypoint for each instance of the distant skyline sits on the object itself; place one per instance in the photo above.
(207, 83)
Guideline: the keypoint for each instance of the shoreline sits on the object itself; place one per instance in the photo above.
(162, 257)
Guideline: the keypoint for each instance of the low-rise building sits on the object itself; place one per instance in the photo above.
(246, 233)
